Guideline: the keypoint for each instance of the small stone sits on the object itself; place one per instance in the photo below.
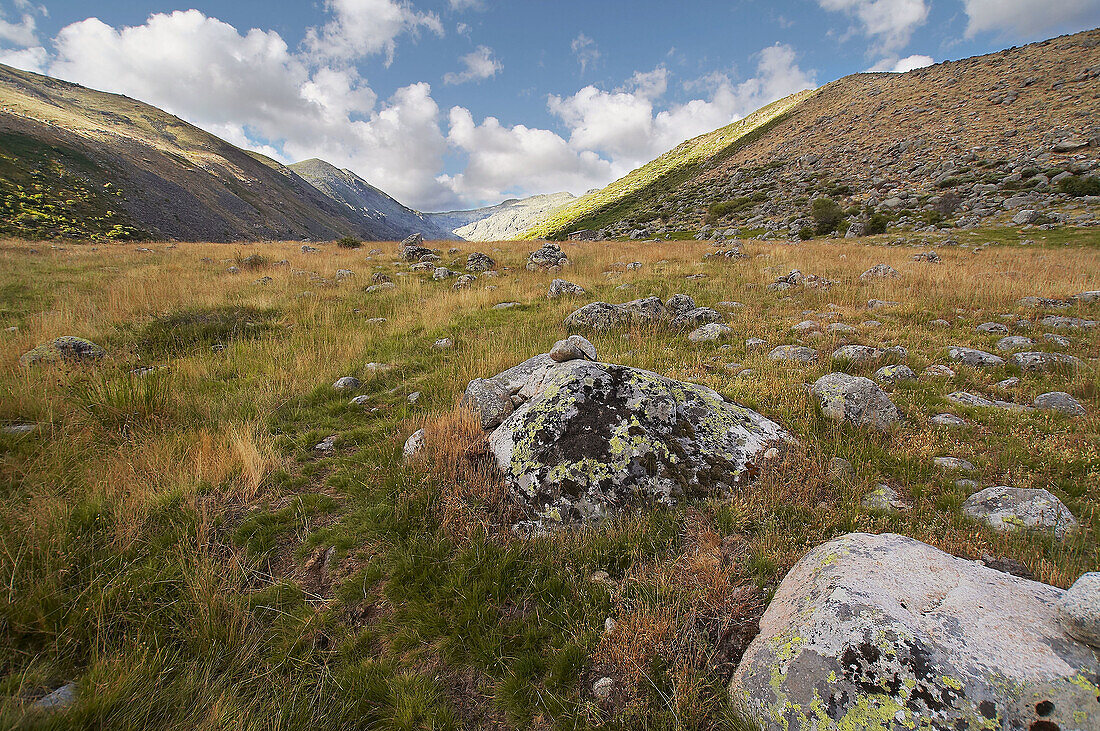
(793, 353)
(443, 344)
(840, 469)
(880, 271)
(602, 688)
(58, 700)
(562, 288)
(413, 444)
(1012, 343)
(891, 374)
(953, 463)
(361, 400)
(710, 332)
(413, 397)
(938, 371)
(347, 383)
(948, 420)
(18, 429)
(1007, 384)
(1038, 362)
(884, 498)
(855, 400)
(975, 358)
(573, 348)
(328, 444)
(755, 344)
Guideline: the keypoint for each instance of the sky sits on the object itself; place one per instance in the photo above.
(450, 104)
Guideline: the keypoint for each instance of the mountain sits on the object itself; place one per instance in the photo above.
(501, 222)
(961, 143)
(387, 218)
(78, 163)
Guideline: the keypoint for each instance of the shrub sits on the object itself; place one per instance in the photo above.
(719, 210)
(876, 224)
(827, 215)
(349, 242)
(805, 233)
(1079, 185)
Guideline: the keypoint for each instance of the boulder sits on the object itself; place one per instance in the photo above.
(1018, 508)
(710, 332)
(592, 438)
(695, 318)
(891, 374)
(880, 271)
(975, 358)
(886, 632)
(550, 256)
(572, 348)
(1079, 609)
(793, 354)
(1012, 343)
(478, 262)
(1061, 322)
(65, 349)
(680, 303)
(605, 316)
(886, 499)
(855, 400)
(347, 383)
(562, 288)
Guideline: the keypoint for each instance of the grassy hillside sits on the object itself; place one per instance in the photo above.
(175, 544)
(79, 163)
(633, 192)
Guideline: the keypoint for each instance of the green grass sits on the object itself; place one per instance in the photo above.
(174, 544)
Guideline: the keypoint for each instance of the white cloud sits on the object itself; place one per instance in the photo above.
(479, 64)
(23, 33)
(365, 27)
(891, 22)
(28, 59)
(1030, 18)
(896, 65)
(460, 5)
(518, 160)
(625, 126)
(586, 51)
(254, 91)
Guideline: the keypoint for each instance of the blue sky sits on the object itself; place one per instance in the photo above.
(449, 103)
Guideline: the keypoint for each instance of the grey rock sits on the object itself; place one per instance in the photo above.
(840, 469)
(975, 358)
(880, 304)
(938, 371)
(1056, 339)
(443, 344)
(572, 348)
(490, 400)
(562, 288)
(953, 463)
(695, 318)
(891, 374)
(880, 271)
(328, 444)
(948, 420)
(806, 326)
(478, 262)
(58, 700)
(17, 429)
(1007, 384)
(885, 498)
(594, 438)
(1018, 508)
(1012, 343)
(755, 344)
(1079, 609)
(1037, 362)
(886, 632)
(1059, 401)
(710, 332)
(603, 688)
(65, 349)
(347, 383)
(441, 273)
(793, 354)
(550, 256)
(1026, 216)
(413, 445)
(678, 304)
(464, 282)
(855, 400)
(992, 327)
(1061, 322)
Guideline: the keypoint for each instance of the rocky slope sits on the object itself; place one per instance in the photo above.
(387, 218)
(501, 222)
(1006, 136)
(78, 163)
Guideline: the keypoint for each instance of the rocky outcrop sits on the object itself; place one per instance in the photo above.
(886, 632)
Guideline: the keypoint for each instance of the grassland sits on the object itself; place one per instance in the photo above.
(634, 190)
(174, 544)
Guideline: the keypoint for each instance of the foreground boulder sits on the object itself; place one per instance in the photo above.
(550, 256)
(588, 438)
(67, 349)
(886, 632)
(856, 400)
(604, 316)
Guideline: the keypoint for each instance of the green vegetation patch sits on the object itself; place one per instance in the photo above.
(53, 192)
(192, 329)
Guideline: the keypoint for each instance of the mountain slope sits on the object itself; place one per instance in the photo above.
(502, 222)
(960, 143)
(388, 218)
(668, 170)
(86, 164)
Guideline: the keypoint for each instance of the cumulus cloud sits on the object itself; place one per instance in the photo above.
(896, 65)
(365, 27)
(479, 64)
(253, 90)
(891, 22)
(460, 5)
(1030, 18)
(22, 33)
(586, 51)
(28, 59)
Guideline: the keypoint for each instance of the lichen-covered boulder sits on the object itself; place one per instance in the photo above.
(479, 262)
(67, 349)
(710, 332)
(680, 303)
(1079, 609)
(886, 632)
(891, 374)
(594, 438)
(1059, 401)
(604, 316)
(695, 318)
(550, 256)
(491, 402)
(562, 288)
(793, 354)
(855, 400)
(1019, 508)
